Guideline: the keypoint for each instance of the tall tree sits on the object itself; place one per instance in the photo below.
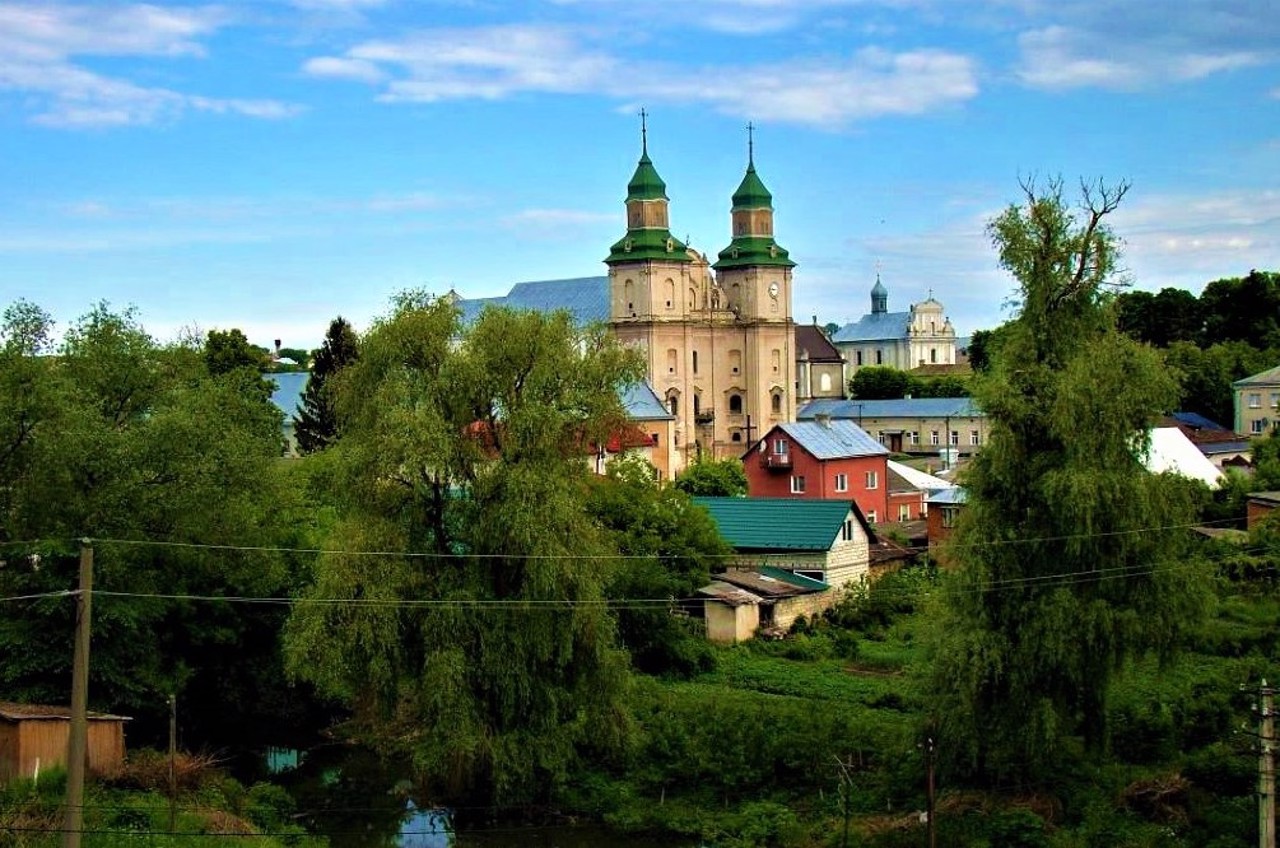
(316, 424)
(134, 445)
(1245, 309)
(878, 382)
(1069, 560)
(483, 649)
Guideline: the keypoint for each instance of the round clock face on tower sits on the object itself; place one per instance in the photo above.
(773, 290)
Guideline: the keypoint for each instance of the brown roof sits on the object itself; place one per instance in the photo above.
(812, 339)
(731, 595)
(38, 712)
(766, 587)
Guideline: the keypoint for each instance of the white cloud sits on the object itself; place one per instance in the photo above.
(496, 62)
(1059, 57)
(39, 45)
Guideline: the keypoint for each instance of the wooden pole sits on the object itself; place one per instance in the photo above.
(77, 743)
(173, 762)
(1266, 769)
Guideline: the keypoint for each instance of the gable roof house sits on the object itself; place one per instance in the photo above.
(819, 366)
(1257, 402)
(792, 558)
(911, 425)
(820, 459)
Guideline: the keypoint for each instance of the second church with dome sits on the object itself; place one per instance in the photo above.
(717, 337)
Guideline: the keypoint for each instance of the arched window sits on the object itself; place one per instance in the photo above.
(693, 298)
(672, 359)
(735, 436)
(735, 361)
(777, 403)
(695, 362)
(735, 404)
(670, 288)
(697, 404)
(629, 295)
(673, 402)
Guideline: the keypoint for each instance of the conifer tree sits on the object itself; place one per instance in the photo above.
(1070, 558)
(316, 424)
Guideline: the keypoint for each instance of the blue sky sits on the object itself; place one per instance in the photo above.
(270, 164)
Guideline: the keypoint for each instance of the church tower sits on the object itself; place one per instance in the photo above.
(719, 349)
(755, 274)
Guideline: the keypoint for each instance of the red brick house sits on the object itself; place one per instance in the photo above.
(821, 459)
(945, 507)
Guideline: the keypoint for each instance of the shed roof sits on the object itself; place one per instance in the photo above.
(830, 439)
(948, 497)
(919, 479)
(895, 408)
(13, 711)
(772, 583)
(781, 524)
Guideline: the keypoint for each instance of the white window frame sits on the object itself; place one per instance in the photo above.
(871, 517)
(797, 484)
(973, 437)
(1257, 426)
(914, 436)
(933, 438)
(904, 512)
(842, 482)
(955, 438)
(873, 480)
(1255, 400)
(780, 447)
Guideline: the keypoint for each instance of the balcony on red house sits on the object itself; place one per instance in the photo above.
(776, 461)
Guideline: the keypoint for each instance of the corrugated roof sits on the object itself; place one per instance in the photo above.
(943, 497)
(813, 341)
(643, 404)
(728, 594)
(1196, 420)
(875, 326)
(833, 439)
(586, 298)
(778, 524)
(896, 408)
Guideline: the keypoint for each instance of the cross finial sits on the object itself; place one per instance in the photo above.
(644, 131)
(931, 294)
(877, 270)
(751, 144)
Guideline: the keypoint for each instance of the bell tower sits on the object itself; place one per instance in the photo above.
(755, 273)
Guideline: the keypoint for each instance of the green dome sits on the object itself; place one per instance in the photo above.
(645, 183)
(751, 193)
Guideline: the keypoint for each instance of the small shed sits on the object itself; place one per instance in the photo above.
(34, 737)
(741, 601)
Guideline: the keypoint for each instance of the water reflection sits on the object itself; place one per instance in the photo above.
(425, 828)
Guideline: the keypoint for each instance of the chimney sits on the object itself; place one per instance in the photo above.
(823, 419)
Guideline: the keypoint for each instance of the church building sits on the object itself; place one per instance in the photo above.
(718, 337)
(921, 336)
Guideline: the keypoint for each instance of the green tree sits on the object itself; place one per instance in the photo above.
(672, 547)
(722, 478)
(1063, 570)
(1245, 309)
(316, 424)
(227, 350)
(483, 649)
(137, 447)
(1173, 315)
(878, 382)
(983, 348)
(1206, 375)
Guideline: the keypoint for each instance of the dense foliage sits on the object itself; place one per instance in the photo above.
(714, 478)
(140, 448)
(877, 382)
(1064, 572)
(482, 648)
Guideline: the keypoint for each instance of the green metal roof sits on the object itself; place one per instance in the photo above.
(643, 244)
(645, 183)
(1270, 377)
(782, 524)
(751, 193)
(753, 250)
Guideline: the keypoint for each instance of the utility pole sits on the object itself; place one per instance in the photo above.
(928, 762)
(173, 761)
(1266, 768)
(77, 743)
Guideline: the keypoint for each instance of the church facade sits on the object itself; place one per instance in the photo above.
(921, 336)
(718, 337)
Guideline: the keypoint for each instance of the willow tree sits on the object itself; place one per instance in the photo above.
(1071, 558)
(482, 648)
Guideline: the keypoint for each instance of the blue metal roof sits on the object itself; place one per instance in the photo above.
(643, 404)
(1196, 420)
(897, 408)
(586, 298)
(833, 440)
(875, 326)
(947, 497)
